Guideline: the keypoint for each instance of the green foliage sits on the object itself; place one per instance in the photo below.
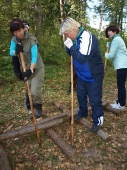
(51, 46)
(5, 77)
(5, 63)
(52, 49)
(115, 12)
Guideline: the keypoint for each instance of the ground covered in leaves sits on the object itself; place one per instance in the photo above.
(92, 152)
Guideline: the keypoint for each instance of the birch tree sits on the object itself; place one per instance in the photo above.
(38, 19)
(62, 10)
(101, 19)
(116, 12)
(82, 10)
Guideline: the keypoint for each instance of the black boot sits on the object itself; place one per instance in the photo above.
(37, 110)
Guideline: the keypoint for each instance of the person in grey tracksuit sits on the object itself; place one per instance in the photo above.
(26, 43)
(83, 46)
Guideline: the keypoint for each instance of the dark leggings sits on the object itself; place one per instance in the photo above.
(121, 79)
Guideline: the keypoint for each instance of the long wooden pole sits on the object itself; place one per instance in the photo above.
(105, 64)
(107, 51)
(30, 99)
(72, 107)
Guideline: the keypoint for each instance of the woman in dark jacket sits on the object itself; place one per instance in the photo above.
(83, 46)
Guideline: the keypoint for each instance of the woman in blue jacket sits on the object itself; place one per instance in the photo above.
(118, 53)
(83, 46)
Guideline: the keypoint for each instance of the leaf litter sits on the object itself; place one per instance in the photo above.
(92, 152)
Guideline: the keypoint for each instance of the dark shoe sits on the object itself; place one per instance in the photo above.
(77, 117)
(37, 111)
(95, 128)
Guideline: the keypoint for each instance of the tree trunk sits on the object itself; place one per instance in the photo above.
(4, 163)
(84, 121)
(38, 20)
(62, 10)
(89, 125)
(66, 148)
(54, 120)
(29, 129)
(65, 110)
(110, 109)
(82, 4)
(101, 19)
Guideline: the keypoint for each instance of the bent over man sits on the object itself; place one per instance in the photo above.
(83, 46)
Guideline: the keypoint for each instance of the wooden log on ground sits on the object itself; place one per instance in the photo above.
(61, 115)
(86, 122)
(110, 109)
(64, 146)
(104, 103)
(63, 108)
(29, 129)
(89, 125)
(4, 162)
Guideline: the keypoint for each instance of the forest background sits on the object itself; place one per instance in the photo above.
(44, 17)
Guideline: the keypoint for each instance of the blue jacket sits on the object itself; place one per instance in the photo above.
(87, 58)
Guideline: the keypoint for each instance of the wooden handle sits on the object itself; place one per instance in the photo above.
(105, 64)
(30, 98)
(72, 107)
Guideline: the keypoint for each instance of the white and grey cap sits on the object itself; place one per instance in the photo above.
(26, 24)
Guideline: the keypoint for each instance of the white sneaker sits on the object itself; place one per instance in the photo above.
(122, 107)
(30, 112)
(113, 105)
(117, 106)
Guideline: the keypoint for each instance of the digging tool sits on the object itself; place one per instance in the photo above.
(105, 64)
(72, 108)
(107, 51)
(30, 98)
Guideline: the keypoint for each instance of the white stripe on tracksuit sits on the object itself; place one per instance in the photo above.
(86, 43)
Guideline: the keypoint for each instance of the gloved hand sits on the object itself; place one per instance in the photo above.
(19, 48)
(68, 43)
(106, 55)
(27, 74)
